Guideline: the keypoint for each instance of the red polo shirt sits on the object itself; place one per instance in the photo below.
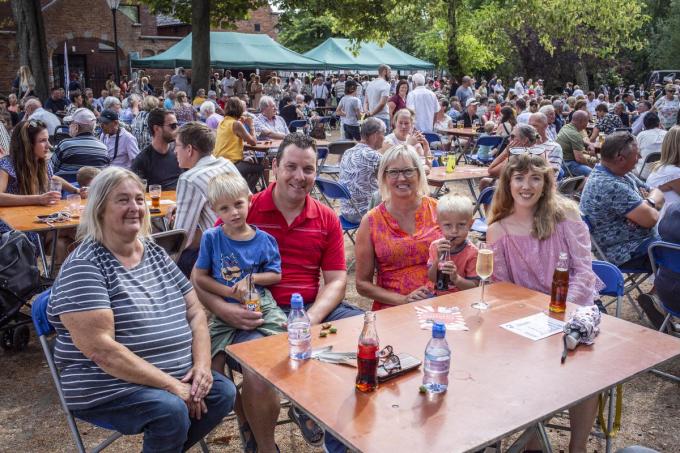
(313, 242)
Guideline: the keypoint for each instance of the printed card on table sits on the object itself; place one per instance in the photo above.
(450, 316)
(535, 327)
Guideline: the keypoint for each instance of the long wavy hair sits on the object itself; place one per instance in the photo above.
(551, 208)
(670, 148)
(31, 171)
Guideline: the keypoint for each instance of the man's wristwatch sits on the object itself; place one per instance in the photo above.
(651, 202)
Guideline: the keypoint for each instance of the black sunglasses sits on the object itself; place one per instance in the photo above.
(172, 126)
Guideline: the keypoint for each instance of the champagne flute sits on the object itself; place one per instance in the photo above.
(484, 270)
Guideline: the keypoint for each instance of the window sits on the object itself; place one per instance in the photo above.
(257, 27)
(131, 11)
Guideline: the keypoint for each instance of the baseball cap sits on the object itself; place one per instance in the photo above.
(471, 101)
(108, 116)
(81, 116)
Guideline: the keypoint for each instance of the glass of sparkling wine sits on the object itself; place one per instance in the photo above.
(484, 270)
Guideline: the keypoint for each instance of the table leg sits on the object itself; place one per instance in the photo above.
(55, 236)
(540, 427)
(536, 430)
(43, 258)
(610, 422)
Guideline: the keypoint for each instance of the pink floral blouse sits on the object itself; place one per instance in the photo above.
(529, 262)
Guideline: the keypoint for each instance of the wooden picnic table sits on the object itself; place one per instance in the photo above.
(466, 132)
(438, 176)
(266, 145)
(499, 382)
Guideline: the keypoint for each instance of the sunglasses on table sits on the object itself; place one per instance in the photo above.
(393, 173)
(388, 360)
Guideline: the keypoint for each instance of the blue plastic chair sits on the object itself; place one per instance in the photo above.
(666, 255)
(493, 141)
(432, 137)
(336, 148)
(43, 329)
(479, 225)
(613, 280)
(294, 125)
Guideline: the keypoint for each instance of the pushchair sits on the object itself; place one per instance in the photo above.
(20, 280)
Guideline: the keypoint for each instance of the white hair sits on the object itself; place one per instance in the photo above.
(265, 101)
(546, 109)
(110, 102)
(207, 109)
(418, 79)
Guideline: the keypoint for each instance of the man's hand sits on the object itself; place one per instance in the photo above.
(239, 317)
(201, 380)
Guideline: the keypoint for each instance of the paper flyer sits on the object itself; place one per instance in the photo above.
(535, 327)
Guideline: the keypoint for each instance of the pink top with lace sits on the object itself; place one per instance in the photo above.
(401, 258)
(529, 262)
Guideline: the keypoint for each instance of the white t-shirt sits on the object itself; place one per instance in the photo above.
(524, 117)
(649, 141)
(375, 91)
(664, 175)
(424, 103)
(352, 108)
(228, 86)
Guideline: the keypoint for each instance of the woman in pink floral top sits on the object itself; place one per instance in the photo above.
(395, 236)
(530, 224)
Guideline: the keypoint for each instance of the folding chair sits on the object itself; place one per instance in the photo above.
(649, 159)
(43, 328)
(60, 133)
(294, 125)
(571, 187)
(479, 225)
(493, 141)
(613, 280)
(431, 138)
(336, 148)
(667, 255)
(172, 241)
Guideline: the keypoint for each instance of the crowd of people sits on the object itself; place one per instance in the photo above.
(283, 240)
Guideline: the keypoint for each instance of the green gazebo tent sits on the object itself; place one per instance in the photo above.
(335, 54)
(232, 50)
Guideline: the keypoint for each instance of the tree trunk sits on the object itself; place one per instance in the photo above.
(452, 60)
(31, 42)
(581, 76)
(200, 45)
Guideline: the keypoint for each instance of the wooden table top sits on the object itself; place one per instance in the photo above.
(463, 132)
(266, 145)
(499, 382)
(23, 218)
(438, 175)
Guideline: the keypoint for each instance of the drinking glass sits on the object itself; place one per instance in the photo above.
(73, 204)
(155, 192)
(55, 186)
(484, 270)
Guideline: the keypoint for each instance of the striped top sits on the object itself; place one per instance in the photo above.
(193, 208)
(149, 312)
(84, 150)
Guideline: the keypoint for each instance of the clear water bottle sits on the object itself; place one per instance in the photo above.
(437, 361)
(299, 330)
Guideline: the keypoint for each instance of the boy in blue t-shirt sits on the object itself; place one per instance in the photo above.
(231, 256)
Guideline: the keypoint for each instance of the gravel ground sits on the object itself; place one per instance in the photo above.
(31, 419)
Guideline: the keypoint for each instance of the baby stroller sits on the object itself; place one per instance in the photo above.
(20, 280)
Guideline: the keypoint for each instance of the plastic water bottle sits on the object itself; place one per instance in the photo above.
(437, 361)
(299, 330)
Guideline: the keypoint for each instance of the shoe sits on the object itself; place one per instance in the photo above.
(647, 303)
(311, 432)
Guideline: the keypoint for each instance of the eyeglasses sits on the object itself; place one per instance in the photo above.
(172, 126)
(389, 361)
(535, 150)
(393, 173)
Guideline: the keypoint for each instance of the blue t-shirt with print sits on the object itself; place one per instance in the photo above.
(230, 261)
(606, 199)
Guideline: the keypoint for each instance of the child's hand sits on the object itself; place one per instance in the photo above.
(241, 289)
(450, 268)
(443, 245)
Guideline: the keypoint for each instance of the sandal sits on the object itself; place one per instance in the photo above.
(313, 434)
(247, 438)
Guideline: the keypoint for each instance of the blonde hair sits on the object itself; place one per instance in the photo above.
(394, 153)
(91, 222)
(551, 208)
(455, 203)
(150, 102)
(227, 186)
(670, 148)
(408, 112)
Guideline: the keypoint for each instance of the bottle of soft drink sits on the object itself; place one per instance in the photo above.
(367, 355)
(442, 277)
(451, 162)
(437, 361)
(560, 285)
(299, 330)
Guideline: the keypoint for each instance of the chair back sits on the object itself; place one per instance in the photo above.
(493, 141)
(484, 198)
(39, 314)
(664, 254)
(172, 241)
(294, 125)
(333, 189)
(612, 278)
(432, 137)
(649, 159)
(570, 186)
(339, 147)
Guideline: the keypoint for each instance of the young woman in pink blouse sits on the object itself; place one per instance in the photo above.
(529, 225)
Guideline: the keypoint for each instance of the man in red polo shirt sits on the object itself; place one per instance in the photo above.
(311, 245)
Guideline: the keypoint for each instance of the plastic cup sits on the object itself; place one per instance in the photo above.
(155, 192)
(73, 204)
(55, 186)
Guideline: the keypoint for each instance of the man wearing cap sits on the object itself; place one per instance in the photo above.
(470, 113)
(82, 149)
(122, 145)
(424, 102)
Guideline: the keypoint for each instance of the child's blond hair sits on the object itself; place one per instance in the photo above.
(85, 175)
(227, 186)
(489, 126)
(454, 203)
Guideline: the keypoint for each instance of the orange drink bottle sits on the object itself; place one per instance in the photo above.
(560, 285)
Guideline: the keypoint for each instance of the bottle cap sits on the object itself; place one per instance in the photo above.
(296, 301)
(438, 330)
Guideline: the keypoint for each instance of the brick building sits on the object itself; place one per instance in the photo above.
(87, 28)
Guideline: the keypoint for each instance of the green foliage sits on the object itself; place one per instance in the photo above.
(222, 12)
(303, 30)
(665, 43)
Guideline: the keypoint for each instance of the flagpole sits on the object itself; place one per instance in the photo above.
(67, 78)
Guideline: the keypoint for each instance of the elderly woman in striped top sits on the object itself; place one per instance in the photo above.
(132, 340)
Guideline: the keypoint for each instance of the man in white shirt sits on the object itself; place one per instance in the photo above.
(228, 84)
(525, 113)
(34, 110)
(643, 107)
(649, 141)
(592, 103)
(121, 144)
(377, 94)
(577, 91)
(519, 86)
(424, 103)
